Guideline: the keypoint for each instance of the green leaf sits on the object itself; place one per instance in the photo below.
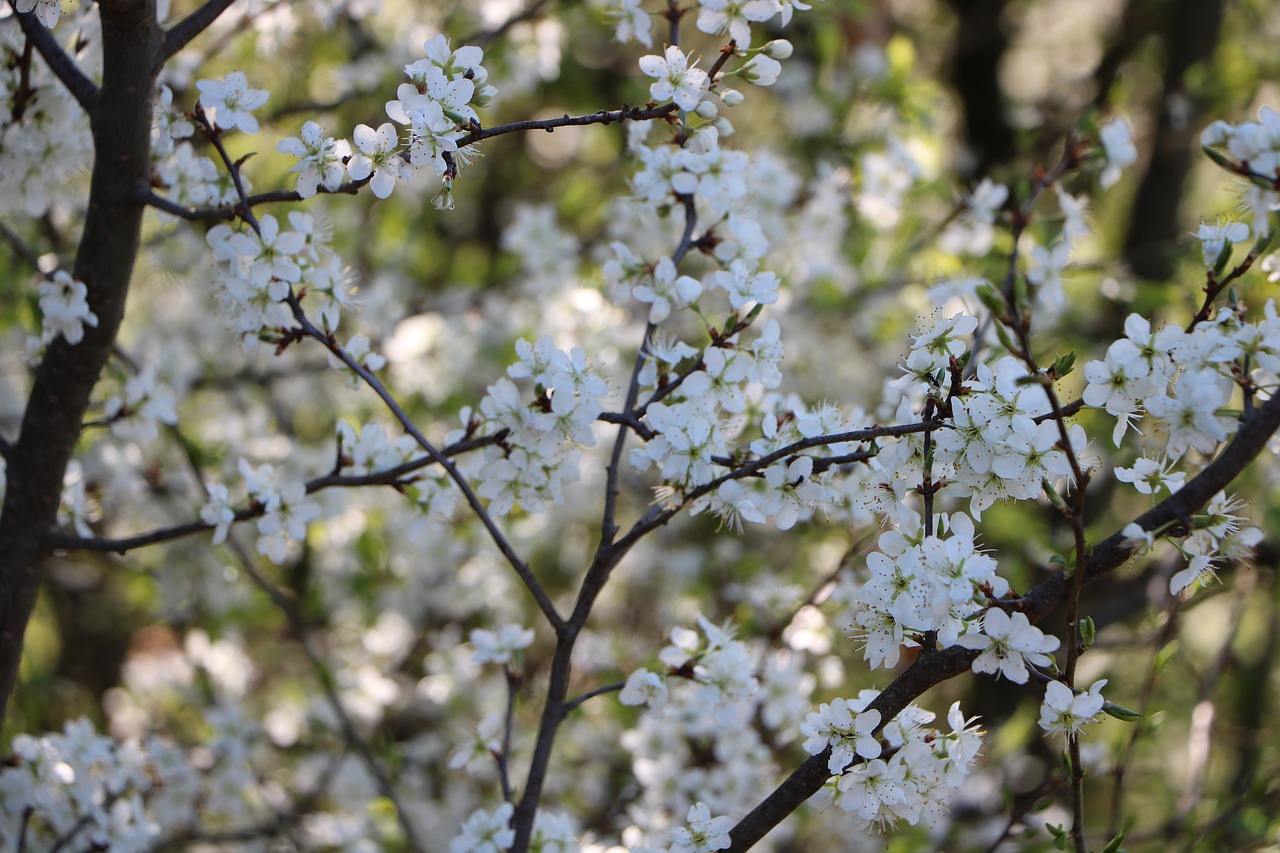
(1064, 365)
(1088, 631)
(1120, 712)
(1113, 846)
(993, 300)
(1218, 157)
(1054, 498)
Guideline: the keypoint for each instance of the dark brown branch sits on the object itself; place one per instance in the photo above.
(59, 62)
(231, 211)
(120, 120)
(934, 667)
(182, 33)
(550, 124)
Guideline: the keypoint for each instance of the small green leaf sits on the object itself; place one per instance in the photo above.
(1088, 631)
(993, 300)
(1002, 332)
(1064, 365)
(1218, 157)
(1054, 498)
(1113, 846)
(1120, 712)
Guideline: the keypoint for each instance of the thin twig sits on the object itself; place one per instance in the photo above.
(495, 533)
(599, 691)
(514, 679)
(550, 124)
(228, 212)
(215, 136)
(394, 477)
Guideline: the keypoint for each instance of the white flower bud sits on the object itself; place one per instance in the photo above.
(778, 49)
(731, 97)
(707, 110)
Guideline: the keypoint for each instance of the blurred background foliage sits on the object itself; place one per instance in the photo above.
(973, 89)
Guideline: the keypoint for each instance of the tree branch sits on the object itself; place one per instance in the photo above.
(182, 33)
(59, 62)
(390, 477)
(495, 533)
(934, 667)
(121, 125)
(228, 212)
(550, 124)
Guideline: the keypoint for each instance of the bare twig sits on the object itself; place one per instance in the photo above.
(599, 691)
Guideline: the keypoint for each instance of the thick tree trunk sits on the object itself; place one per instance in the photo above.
(980, 46)
(120, 115)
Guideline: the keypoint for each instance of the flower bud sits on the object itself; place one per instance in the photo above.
(778, 49)
(707, 110)
(731, 97)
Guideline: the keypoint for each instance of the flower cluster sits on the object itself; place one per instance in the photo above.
(81, 789)
(229, 103)
(719, 664)
(700, 702)
(64, 309)
(1183, 380)
(921, 770)
(285, 510)
(45, 140)
(1218, 534)
(938, 583)
(145, 403)
(501, 645)
(537, 454)
(1001, 446)
(261, 271)
(1067, 712)
(1255, 145)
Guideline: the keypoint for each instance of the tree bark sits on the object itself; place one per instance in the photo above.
(120, 118)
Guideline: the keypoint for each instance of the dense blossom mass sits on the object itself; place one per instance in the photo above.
(703, 259)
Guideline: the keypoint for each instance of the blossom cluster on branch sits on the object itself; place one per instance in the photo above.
(550, 474)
